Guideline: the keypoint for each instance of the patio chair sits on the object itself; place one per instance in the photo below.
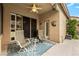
(20, 42)
(68, 37)
(40, 34)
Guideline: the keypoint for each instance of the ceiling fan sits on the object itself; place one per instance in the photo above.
(34, 8)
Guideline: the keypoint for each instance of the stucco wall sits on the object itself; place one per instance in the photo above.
(62, 25)
(50, 16)
(0, 43)
(54, 30)
(57, 33)
(73, 17)
(12, 8)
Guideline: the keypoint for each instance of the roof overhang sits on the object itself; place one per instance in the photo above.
(64, 8)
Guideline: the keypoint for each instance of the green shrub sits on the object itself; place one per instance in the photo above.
(71, 28)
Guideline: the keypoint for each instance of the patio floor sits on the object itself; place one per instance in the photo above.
(67, 48)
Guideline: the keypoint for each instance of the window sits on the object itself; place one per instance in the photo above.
(13, 22)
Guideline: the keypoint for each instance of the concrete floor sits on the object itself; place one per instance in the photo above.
(67, 48)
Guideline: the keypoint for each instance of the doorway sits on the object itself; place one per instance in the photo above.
(29, 27)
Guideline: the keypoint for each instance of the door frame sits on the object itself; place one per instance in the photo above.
(45, 29)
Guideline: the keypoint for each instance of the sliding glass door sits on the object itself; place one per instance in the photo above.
(26, 26)
(29, 26)
(33, 28)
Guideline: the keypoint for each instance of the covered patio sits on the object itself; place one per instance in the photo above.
(49, 22)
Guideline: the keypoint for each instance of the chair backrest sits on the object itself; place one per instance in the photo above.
(68, 37)
(20, 37)
(41, 35)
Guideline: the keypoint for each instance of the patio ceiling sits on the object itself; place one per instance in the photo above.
(45, 6)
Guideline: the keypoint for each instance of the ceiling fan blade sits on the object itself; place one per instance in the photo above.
(39, 8)
(29, 7)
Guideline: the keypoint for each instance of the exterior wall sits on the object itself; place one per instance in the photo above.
(56, 34)
(54, 31)
(62, 25)
(50, 16)
(0, 43)
(8, 8)
(77, 28)
(73, 17)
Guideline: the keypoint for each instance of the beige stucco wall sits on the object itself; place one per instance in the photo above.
(54, 31)
(62, 24)
(56, 34)
(0, 46)
(50, 16)
(73, 17)
(12, 8)
(0, 43)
